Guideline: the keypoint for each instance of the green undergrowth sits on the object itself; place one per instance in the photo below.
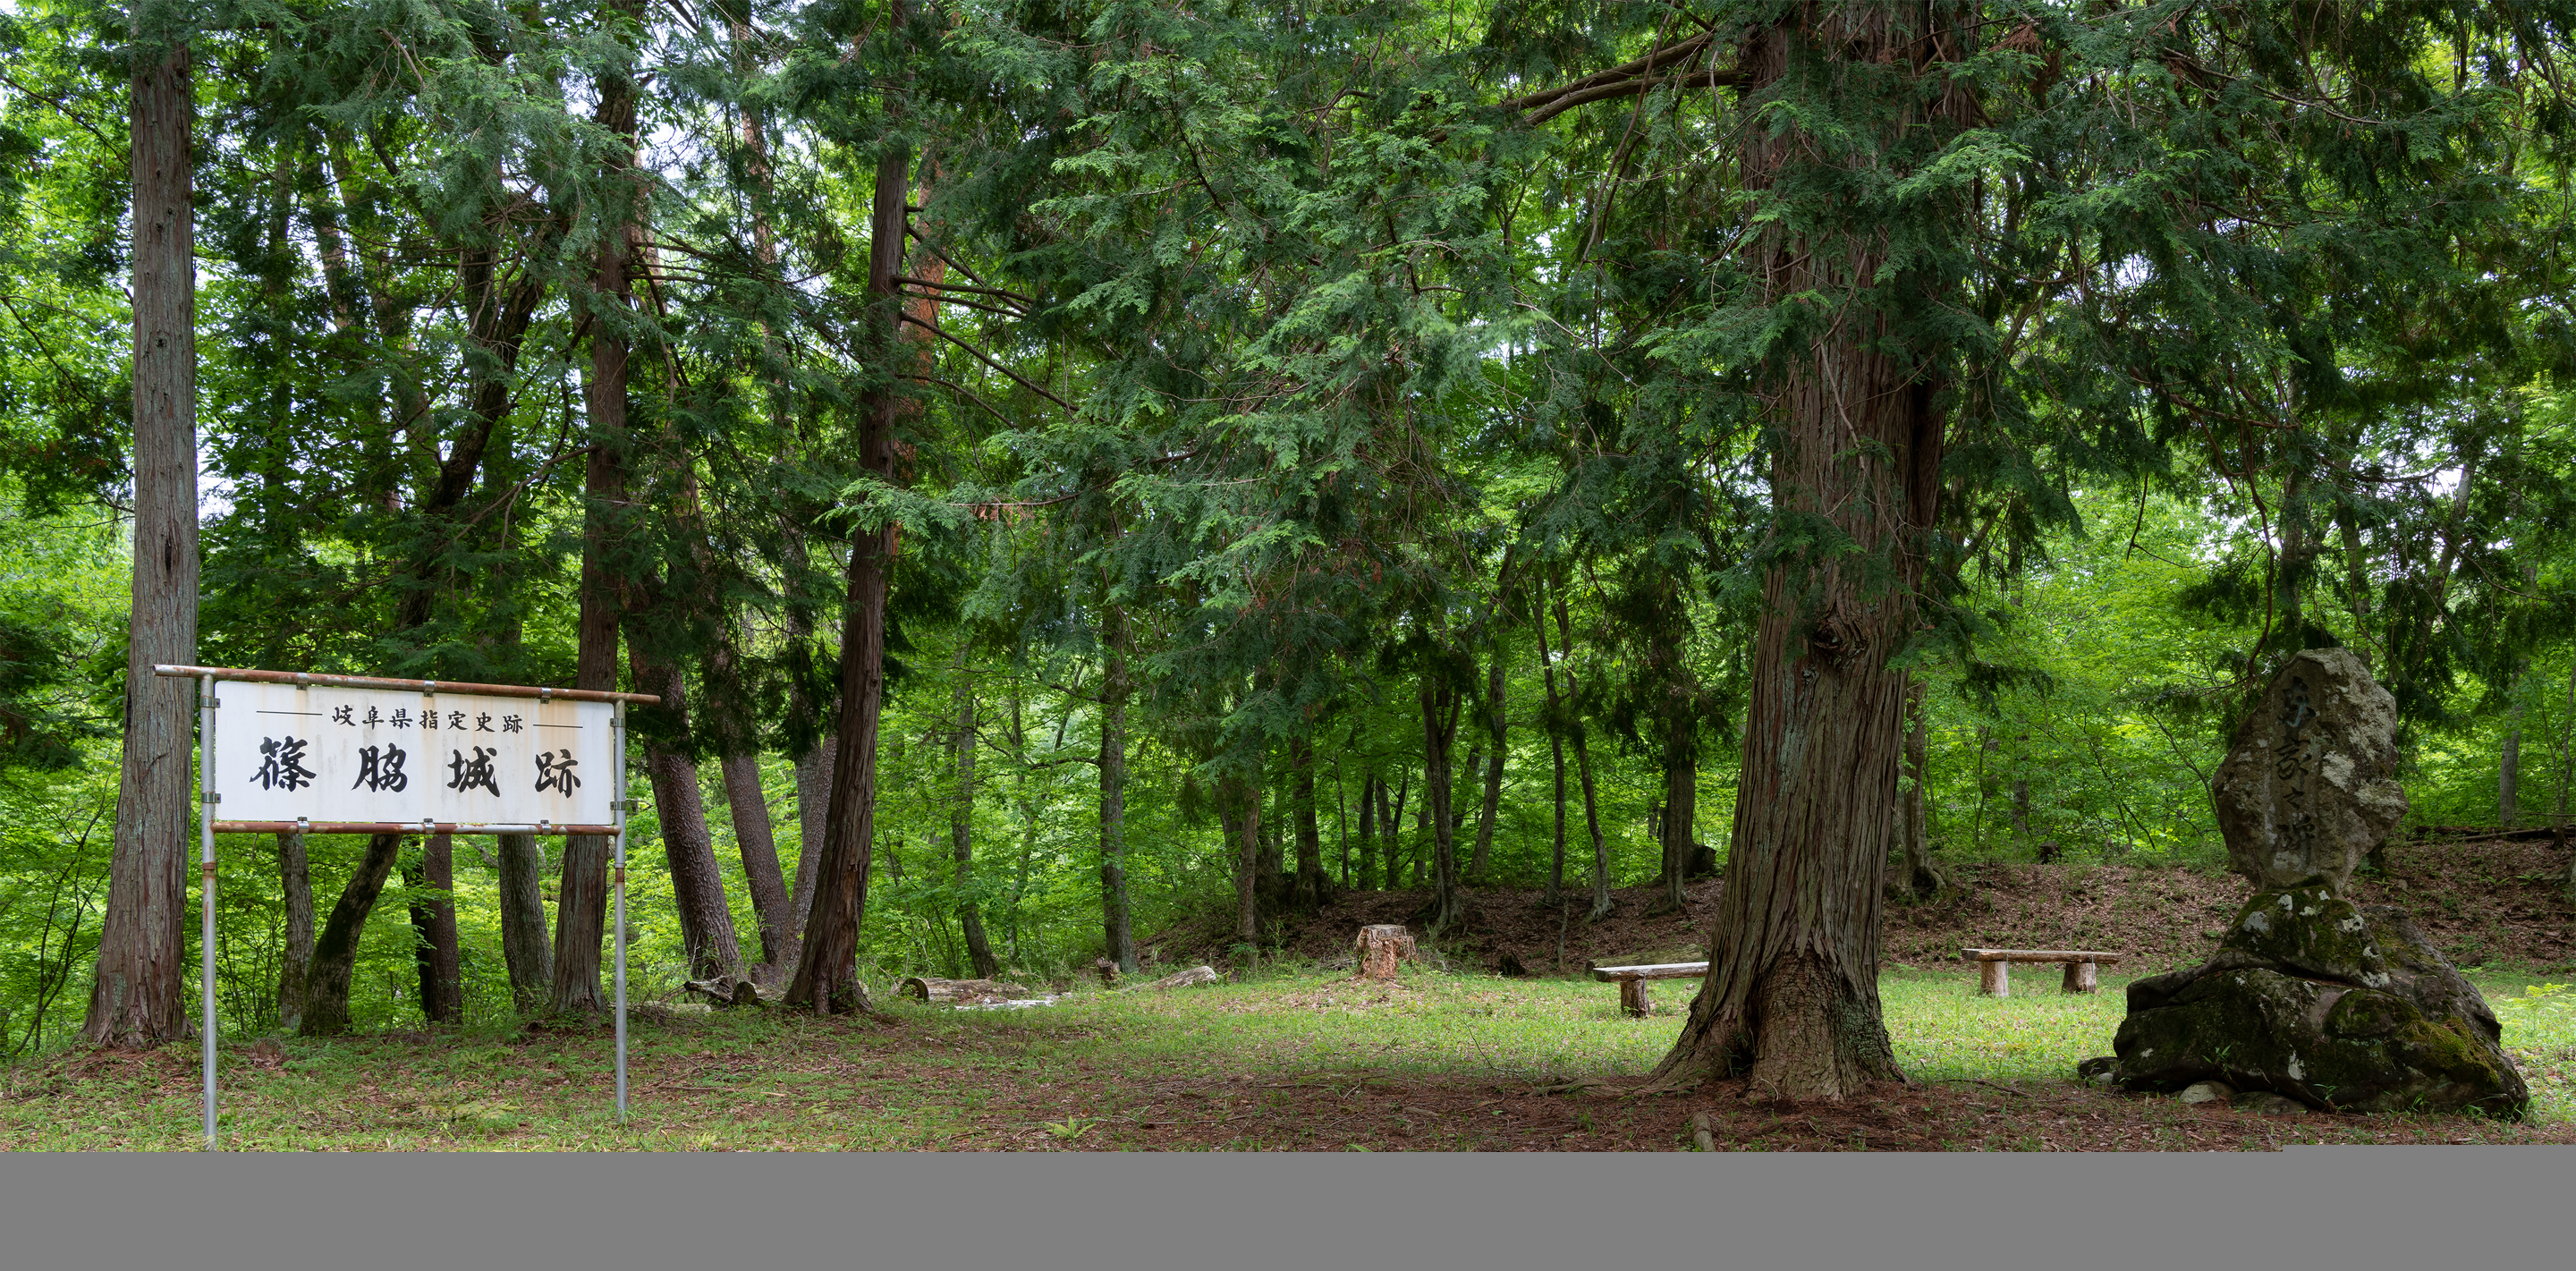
(946, 1078)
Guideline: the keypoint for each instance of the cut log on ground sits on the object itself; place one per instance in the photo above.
(1108, 972)
(925, 988)
(1380, 947)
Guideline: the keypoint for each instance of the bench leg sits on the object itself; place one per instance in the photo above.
(1994, 979)
(1633, 1000)
(2080, 978)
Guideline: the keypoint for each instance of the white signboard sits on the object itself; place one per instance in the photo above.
(328, 754)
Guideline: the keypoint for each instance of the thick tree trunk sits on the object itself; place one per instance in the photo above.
(826, 972)
(813, 810)
(1242, 817)
(1310, 886)
(525, 952)
(432, 884)
(1367, 880)
(581, 895)
(1681, 812)
(295, 883)
(697, 884)
(748, 805)
(138, 994)
(335, 951)
(1791, 998)
(1497, 737)
(1117, 932)
(961, 827)
(2509, 774)
(1601, 903)
(1439, 730)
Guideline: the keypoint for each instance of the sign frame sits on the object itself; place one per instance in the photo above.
(208, 800)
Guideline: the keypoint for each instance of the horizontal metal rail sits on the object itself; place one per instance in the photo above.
(401, 827)
(311, 679)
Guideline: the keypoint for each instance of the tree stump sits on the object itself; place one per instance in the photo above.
(1380, 946)
(1994, 978)
(1633, 999)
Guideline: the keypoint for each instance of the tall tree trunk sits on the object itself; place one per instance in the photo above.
(432, 884)
(1310, 842)
(1681, 811)
(1923, 876)
(295, 883)
(1367, 880)
(335, 951)
(961, 826)
(581, 895)
(138, 994)
(1439, 730)
(748, 806)
(813, 807)
(1242, 818)
(697, 885)
(826, 972)
(1390, 818)
(1791, 997)
(2509, 773)
(525, 951)
(1497, 726)
(1555, 754)
(1117, 932)
(1601, 903)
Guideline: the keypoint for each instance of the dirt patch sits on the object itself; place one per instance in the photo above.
(2481, 901)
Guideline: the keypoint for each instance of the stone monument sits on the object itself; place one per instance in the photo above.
(2340, 1007)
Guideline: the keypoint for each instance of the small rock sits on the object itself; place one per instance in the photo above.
(2267, 1104)
(2101, 1070)
(2208, 1092)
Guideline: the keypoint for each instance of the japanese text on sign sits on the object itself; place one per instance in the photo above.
(326, 754)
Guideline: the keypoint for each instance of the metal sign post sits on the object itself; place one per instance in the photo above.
(335, 754)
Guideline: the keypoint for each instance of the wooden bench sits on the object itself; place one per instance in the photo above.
(1632, 981)
(1995, 967)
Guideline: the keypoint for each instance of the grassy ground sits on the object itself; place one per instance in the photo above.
(1302, 1060)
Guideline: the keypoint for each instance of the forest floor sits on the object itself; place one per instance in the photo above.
(2483, 901)
(1301, 1058)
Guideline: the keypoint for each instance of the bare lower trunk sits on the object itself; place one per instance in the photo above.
(1309, 894)
(1921, 875)
(1681, 814)
(1601, 903)
(748, 805)
(961, 828)
(1791, 997)
(827, 967)
(1243, 823)
(1496, 738)
(1390, 818)
(813, 804)
(525, 951)
(697, 885)
(1439, 730)
(1117, 933)
(2509, 775)
(432, 885)
(581, 894)
(138, 994)
(335, 951)
(1369, 795)
(295, 883)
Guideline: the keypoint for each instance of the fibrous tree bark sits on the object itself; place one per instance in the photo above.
(961, 826)
(432, 884)
(295, 884)
(1791, 998)
(697, 885)
(1308, 895)
(335, 951)
(526, 953)
(1117, 931)
(826, 971)
(137, 994)
(748, 806)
